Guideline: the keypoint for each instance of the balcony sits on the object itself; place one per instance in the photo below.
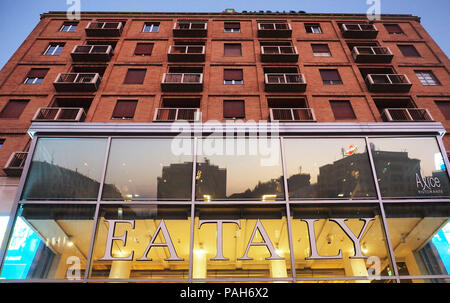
(287, 82)
(358, 31)
(190, 53)
(372, 54)
(182, 82)
(15, 164)
(175, 114)
(59, 114)
(274, 30)
(190, 29)
(406, 115)
(388, 83)
(104, 29)
(292, 115)
(101, 53)
(279, 54)
(77, 82)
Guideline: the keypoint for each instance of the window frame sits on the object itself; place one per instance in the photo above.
(225, 47)
(25, 101)
(70, 26)
(135, 101)
(409, 47)
(349, 103)
(242, 101)
(331, 82)
(311, 26)
(57, 51)
(427, 82)
(231, 30)
(152, 26)
(321, 54)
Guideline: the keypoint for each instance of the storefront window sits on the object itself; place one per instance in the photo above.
(149, 169)
(142, 242)
(420, 236)
(410, 168)
(336, 168)
(239, 169)
(241, 242)
(49, 242)
(65, 169)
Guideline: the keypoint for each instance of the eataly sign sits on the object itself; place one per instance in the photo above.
(266, 242)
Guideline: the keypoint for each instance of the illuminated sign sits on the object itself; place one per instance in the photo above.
(233, 11)
(351, 150)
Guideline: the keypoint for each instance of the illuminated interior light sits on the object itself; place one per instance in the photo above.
(268, 197)
(207, 198)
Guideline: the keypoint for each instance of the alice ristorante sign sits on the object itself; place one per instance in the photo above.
(259, 228)
(232, 11)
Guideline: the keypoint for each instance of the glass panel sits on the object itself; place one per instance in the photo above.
(420, 236)
(410, 167)
(140, 169)
(65, 169)
(142, 242)
(336, 168)
(345, 240)
(239, 169)
(250, 242)
(49, 242)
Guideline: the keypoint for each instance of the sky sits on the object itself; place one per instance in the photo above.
(19, 17)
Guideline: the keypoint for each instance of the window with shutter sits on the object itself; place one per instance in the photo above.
(36, 75)
(313, 28)
(409, 51)
(232, 50)
(393, 29)
(143, 49)
(232, 27)
(124, 109)
(330, 76)
(13, 109)
(342, 110)
(427, 77)
(233, 109)
(233, 76)
(68, 27)
(135, 76)
(321, 50)
(444, 107)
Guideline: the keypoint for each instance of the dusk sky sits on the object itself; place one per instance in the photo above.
(19, 17)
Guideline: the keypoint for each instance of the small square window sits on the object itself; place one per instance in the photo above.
(427, 77)
(36, 76)
(135, 76)
(233, 76)
(232, 27)
(409, 50)
(151, 27)
(68, 27)
(233, 109)
(330, 76)
(342, 110)
(54, 49)
(124, 109)
(143, 49)
(232, 50)
(444, 107)
(313, 28)
(393, 29)
(321, 50)
(13, 109)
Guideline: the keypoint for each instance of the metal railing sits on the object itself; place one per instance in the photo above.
(371, 50)
(186, 49)
(174, 114)
(183, 78)
(387, 79)
(16, 160)
(190, 25)
(92, 49)
(406, 114)
(60, 114)
(279, 50)
(104, 25)
(274, 26)
(292, 114)
(77, 78)
(359, 27)
(284, 78)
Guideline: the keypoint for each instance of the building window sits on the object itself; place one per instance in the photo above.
(36, 76)
(233, 109)
(444, 107)
(233, 76)
(232, 50)
(143, 49)
(321, 50)
(124, 109)
(232, 27)
(13, 109)
(135, 76)
(313, 28)
(151, 27)
(54, 49)
(409, 50)
(68, 27)
(427, 77)
(393, 29)
(342, 110)
(330, 76)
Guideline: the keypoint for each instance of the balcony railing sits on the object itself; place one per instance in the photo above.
(86, 82)
(372, 54)
(388, 83)
(406, 114)
(292, 114)
(359, 31)
(174, 114)
(92, 53)
(183, 82)
(15, 164)
(59, 114)
(279, 54)
(192, 53)
(279, 82)
(104, 29)
(190, 29)
(274, 30)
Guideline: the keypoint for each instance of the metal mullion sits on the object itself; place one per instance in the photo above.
(192, 203)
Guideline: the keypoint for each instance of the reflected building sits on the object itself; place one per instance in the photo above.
(211, 181)
(173, 181)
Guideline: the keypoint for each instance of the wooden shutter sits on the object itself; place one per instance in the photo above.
(342, 110)
(143, 49)
(13, 109)
(320, 48)
(393, 28)
(444, 106)
(408, 51)
(330, 75)
(233, 74)
(232, 49)
(233, 109)
(125, 109)
(37, 73)
(135, 76)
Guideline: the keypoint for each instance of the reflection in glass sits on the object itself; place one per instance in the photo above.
(49, 242)
(410, 167)
(153, 168)
(336, 168)
(269, 227)
(239, 169)
(139, 226)
(420, 236)
(65, 168)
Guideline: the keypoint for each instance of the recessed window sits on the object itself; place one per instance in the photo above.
(54, 49)
(444, 107)
(143, 49)
(427, 77)
(232, 50)
(151, 27)
(13, 109)
(36, 76)
(393, 29)
(124, 109)
(321, 50)
(330, 76)
(233, 76)
(232, 27)
(409, 50)
(233, 109)
(313, 28)
(342, 110)
(135, 76)
(68, 27)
